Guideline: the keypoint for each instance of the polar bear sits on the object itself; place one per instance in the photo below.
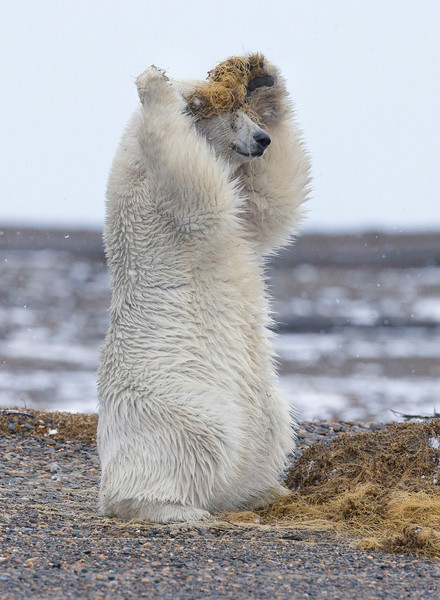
(191, 418)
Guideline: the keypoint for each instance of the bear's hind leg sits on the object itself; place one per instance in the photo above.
(165, 462)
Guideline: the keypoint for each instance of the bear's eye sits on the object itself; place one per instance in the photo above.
(257, 82)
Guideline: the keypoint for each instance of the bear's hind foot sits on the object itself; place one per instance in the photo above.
(157, 512)
(273, 493)
(160, 512)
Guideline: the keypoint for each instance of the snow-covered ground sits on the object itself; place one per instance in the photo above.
(355, 341)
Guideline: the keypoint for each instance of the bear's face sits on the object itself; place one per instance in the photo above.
(234, 136)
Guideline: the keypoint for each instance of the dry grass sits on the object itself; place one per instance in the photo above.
(382, 487)
(227, 87)
(68, 426)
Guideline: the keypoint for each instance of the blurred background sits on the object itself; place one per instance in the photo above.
(356, 298)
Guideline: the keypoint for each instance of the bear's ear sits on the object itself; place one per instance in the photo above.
(258, 82)
(270, 103)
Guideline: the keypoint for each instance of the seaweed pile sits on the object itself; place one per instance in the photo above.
(51, 425)
(383, 487)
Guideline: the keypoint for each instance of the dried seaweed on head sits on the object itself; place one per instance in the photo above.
(229, 87)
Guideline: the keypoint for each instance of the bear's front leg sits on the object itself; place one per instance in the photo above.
(190, 186)
(276, 184)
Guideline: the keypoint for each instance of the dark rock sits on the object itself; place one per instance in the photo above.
(376, 426)
(321, 430)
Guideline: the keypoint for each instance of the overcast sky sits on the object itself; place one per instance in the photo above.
(365, 77)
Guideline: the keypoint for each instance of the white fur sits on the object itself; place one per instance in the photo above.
(191, 418)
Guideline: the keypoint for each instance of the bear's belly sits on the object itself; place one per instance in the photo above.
(209, 325)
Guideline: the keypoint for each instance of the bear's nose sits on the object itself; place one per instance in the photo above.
(262, 139)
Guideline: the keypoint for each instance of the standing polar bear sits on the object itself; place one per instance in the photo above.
(208, 179)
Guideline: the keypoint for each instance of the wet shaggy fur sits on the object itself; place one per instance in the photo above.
(191, 418)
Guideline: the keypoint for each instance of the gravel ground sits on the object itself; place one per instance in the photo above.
(53, 544)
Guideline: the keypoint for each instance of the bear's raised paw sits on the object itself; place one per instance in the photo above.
(152, 83)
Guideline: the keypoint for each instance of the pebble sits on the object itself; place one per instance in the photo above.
(376, 426)
(324, 426)
(205, 532)
(322, 430)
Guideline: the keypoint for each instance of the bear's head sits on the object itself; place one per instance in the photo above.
(238, 104)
